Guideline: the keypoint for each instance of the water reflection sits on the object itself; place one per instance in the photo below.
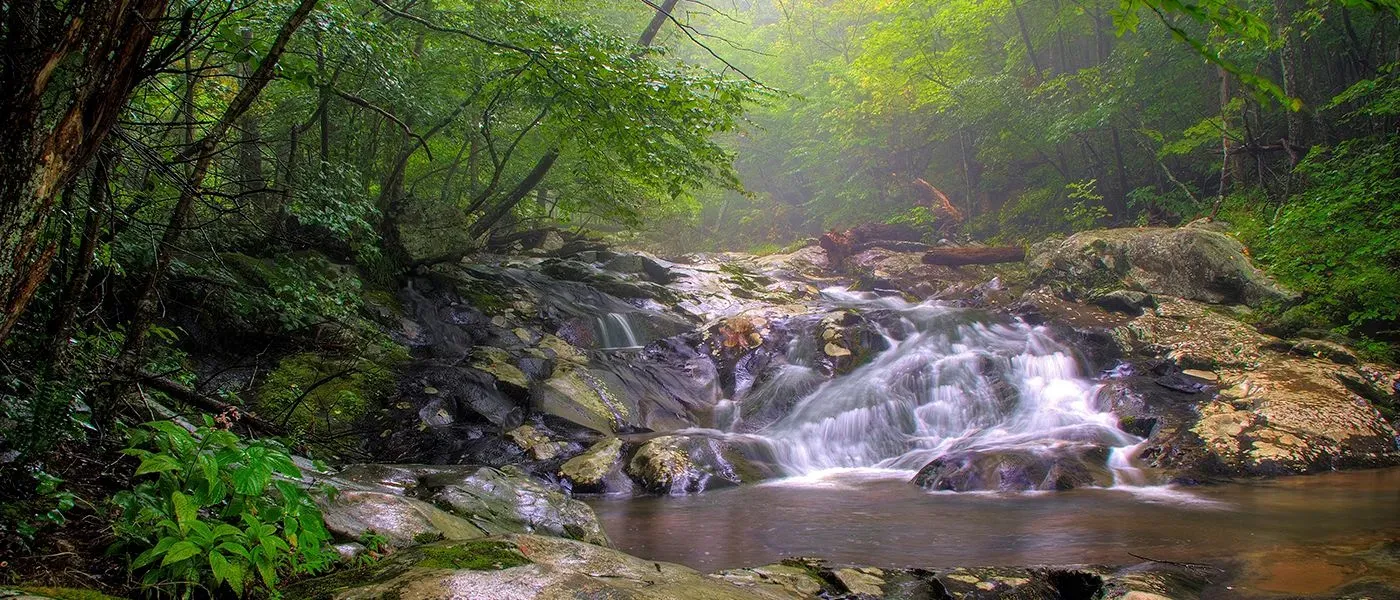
(864, 516)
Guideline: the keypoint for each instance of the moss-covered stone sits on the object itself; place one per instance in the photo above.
(588, 471)
(1189, 262)
(552, 569)
(583, 397)
(478, 555)
(501, 365)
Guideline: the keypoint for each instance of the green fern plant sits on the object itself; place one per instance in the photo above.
(211, 511)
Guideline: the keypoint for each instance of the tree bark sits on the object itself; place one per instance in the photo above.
(41, 150)
(659, 19)
(974, 256)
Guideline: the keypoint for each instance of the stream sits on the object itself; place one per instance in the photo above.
(969, 389)
(1300, 535)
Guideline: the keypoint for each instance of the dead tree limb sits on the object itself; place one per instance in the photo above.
(954, 257)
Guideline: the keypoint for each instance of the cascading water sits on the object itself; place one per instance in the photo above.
(615, 332)
(948, 383)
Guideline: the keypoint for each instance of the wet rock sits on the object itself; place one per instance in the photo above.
(1192, 263)
(508, 501)
(391, 478)
(1332, 351)
(500, 364)
(350, 552)
(1154, 581)
(684, 464)
(861, 582)
(1276, 412)
(997, 582)
(1180, 382)
(403, 521)
(526, 567)
(536, 443)
(638, 264)
(588, 472)
(581, 396)
(1017, 470)
(1126, 301)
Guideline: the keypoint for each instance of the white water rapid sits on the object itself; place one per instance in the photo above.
(950, 382)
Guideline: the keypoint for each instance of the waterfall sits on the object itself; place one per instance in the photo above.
(615, 332)
(948, 383)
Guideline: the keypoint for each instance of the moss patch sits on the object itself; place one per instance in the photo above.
(311, 389)
(479, 555)
(58, 593)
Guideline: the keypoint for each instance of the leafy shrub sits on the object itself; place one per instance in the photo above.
(1339, 240)
(212, 511)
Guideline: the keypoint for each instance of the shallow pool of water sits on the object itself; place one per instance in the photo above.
(1301, 535)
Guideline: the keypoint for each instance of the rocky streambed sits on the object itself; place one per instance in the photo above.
(1114, 372)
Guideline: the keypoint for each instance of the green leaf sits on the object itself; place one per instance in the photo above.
(154, 552)
(235, 548)
(178, 552)
(185, 510)
(157, 463)
(223, 571)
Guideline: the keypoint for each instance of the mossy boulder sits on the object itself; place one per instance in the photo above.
(508, 501)
(404, 521)
(585, 397)
(311, 389)
(1190, 262)
(589, 472)
(411, 503)
(684, 464)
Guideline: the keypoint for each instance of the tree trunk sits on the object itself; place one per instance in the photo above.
(70, 298)
(1026, 38)
(974, 256)
(662, 15)
(521, 191)
(42, 150)
(1288, 65)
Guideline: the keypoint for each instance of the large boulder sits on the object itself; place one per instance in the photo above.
(403, 521)
(684, 464)
(1017, 470)
(591, 471)
(586, 397)
(1191, 262)
(1246, 404)
(508, 501)
(411, 504)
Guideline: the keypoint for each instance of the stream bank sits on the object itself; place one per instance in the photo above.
(1110, 367)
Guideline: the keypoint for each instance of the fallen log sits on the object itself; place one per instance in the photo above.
(974, 255)
(205, 403)
(895, 245)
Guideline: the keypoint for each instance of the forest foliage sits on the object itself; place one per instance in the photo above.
(185, 181)
(1039, 119)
